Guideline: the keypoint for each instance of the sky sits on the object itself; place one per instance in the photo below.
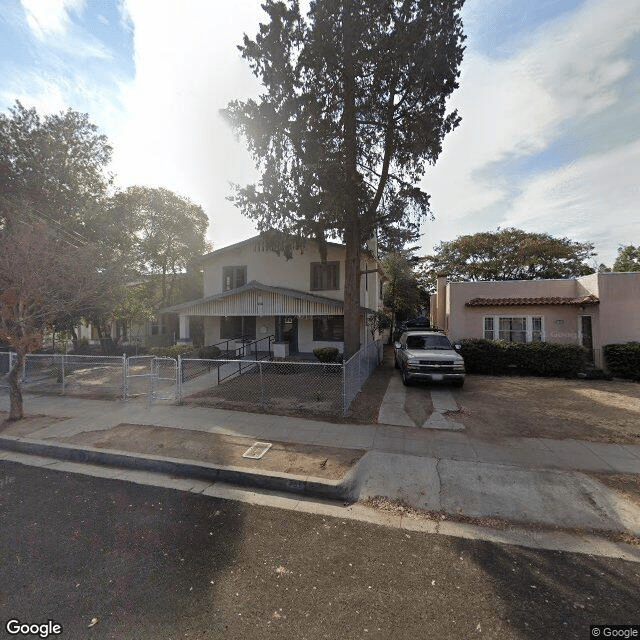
(549, 97)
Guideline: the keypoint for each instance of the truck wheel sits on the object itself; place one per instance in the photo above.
(406, 381)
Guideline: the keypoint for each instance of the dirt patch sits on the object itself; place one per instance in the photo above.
(366, 405)
(314, 394)
(418, 404)
(399, 508)
(27, 425)
(627, 484)
(283, 457)
(594, 410)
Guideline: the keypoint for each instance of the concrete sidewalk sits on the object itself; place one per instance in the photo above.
(92, 415)
(520, 480)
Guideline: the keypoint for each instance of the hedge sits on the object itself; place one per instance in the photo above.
(206, 353)
(327, 354)
(623, 360)
(544, 359)
(172, 352)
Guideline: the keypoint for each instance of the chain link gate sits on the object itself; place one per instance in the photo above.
(164, 379)
(153, 377)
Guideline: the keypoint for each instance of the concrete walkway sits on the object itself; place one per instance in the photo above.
(393, 412)
(91, 415)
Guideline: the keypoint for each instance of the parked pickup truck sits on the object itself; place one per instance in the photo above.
(428, 355)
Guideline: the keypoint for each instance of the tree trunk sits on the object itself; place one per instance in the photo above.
(15, 393)
(352, 229)
(352, 290)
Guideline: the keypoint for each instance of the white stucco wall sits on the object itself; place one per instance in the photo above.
(272, 269)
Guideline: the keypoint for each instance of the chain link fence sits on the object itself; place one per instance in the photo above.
(358, 368)
(82, 375)
(6, 362)
(316, 387)
(240, 383)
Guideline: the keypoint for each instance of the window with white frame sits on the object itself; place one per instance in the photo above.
(513, 328)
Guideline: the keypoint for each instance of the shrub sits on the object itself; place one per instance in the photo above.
(131, 350)
(327, 354)
(535, 358)
(172, 352)
(208, 353)
(623, 360)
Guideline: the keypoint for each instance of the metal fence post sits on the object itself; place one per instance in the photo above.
(345, 407)
(179, 379)
(262, 391)
(62, 357)
(125, 391)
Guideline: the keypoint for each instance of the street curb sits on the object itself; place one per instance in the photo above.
(285, 482)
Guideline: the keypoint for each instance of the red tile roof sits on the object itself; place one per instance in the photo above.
(517, 302)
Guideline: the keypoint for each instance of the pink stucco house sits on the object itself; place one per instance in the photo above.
(592, 311)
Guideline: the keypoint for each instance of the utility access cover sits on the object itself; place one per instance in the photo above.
(257, 450)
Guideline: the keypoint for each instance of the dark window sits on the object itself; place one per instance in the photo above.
(428, 342)
(325, 276)
(328, 328)
(233, 277)
(512, 329)
(238, 327)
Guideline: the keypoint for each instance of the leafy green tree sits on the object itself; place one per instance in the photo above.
(354, 108)
(169, 234)
(402, 294)
(628, 259)
(508, 254)
(377, 322)
(53, 170)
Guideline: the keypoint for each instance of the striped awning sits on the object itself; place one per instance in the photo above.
(257, 299)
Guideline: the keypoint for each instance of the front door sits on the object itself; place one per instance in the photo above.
(586, 335)
(289, 332)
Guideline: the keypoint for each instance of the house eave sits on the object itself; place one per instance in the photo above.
(259, 299)
(541, 301)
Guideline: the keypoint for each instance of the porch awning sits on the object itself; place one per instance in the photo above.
(257, 299)
(517, 302)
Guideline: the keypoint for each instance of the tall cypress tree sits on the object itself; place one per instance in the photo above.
(354, 108)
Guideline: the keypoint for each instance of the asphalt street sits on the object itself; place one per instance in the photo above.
(111, 559)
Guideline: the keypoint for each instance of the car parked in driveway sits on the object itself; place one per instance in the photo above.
(428, 355)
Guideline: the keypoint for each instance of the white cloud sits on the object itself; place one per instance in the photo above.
(565, 73)
(187, 68)
(594, 199)
(51, 24)
(46, 17)
(34, 90)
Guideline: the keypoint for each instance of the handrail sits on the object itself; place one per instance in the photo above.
(244, 355)
(238, 352)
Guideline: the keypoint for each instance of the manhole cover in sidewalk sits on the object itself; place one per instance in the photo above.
(257, 450)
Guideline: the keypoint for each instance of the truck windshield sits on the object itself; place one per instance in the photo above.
(428, 342)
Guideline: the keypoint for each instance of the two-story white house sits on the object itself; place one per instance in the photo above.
(252, 292)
